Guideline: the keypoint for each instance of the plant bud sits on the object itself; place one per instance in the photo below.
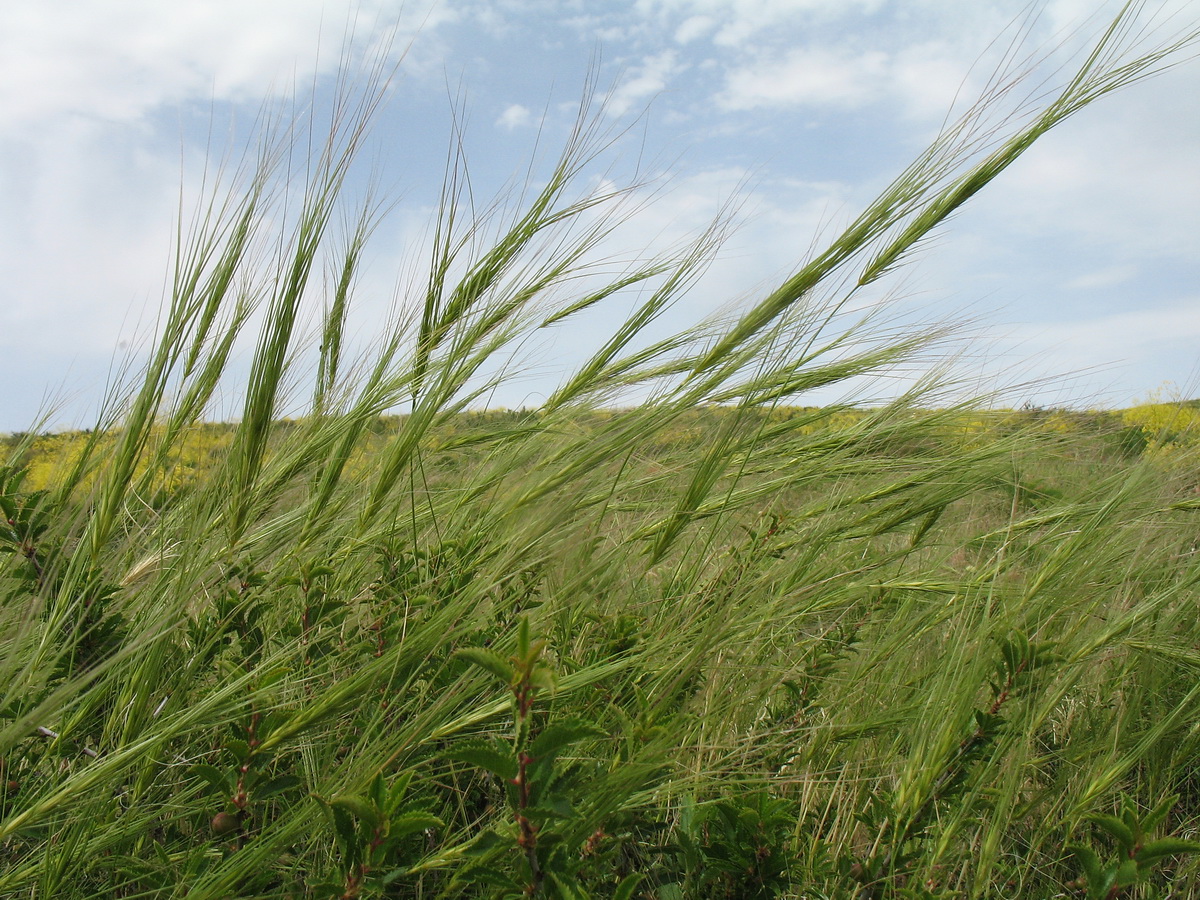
(224, 823)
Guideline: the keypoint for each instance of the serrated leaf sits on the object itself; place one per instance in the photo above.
(272, 677)
(218, 780)
(487, 841)
(411, 823)
(398, 789)
(523, 638)
(1115, 827)
(1163, 847)
(486, 875)
(540, 815)
(358, 807)
(276, 786)
(1009, 654)
(1108, 878)
(378, 792)
(325, 889)
(273, 720)
(346, 833)
(1154, 818)
(987, 722)
(1089, 861)
(1129, 815)
(486, 757)
(562, 734)
(391, 876)
(488, 661)
(543, 679)
(567, 889)
(1127, 873)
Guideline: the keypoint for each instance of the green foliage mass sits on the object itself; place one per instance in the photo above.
(712, 644)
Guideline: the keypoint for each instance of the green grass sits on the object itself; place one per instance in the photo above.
(711, 645)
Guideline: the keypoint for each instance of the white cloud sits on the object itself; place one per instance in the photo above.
(929, 79)
(921, 81)
(1135, 337)
(86, 232)
(646, 80)
(692, 28)
(119, 59)
(514, 116)
(740, 22)
(1121, 177)
(91, 168)
(814, 76)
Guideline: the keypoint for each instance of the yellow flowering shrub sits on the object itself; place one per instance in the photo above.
(1170, 426)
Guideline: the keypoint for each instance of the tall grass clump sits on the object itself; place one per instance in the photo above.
(711, 644)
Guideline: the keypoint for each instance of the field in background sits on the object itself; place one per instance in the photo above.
(1158, 428)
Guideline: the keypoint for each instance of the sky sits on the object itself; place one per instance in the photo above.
(1077, 272)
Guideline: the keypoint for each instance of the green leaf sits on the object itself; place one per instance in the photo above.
(391, 876)
(325, 889)
(1127, 873)
(543, 679)
(523, 638)
(218, 780)
(272, 721)
(489, 661)
(276, 786)
(486, 875)
(627, 886)
(397, 791)
(1089, 862)
(359, 808)
(1154, 818)
(486, 757)
(540, 815)
(1103, 888)
(1155, 850)
(265, 680)
(1115, 827)
(567, 888)
(487, 841)
(411, 823)
(562, 734)
(347, 834)
(988, 723)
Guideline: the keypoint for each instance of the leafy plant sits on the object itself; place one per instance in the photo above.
(735, 848)
(1107, 875)
(538, 788)
(373, 833)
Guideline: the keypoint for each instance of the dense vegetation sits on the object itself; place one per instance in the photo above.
(711, 644)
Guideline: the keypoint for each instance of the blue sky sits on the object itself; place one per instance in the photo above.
(1078, 269)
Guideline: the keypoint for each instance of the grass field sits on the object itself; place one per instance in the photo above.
(712, 644)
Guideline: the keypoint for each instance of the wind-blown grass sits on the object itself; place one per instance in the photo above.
(707, 645)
